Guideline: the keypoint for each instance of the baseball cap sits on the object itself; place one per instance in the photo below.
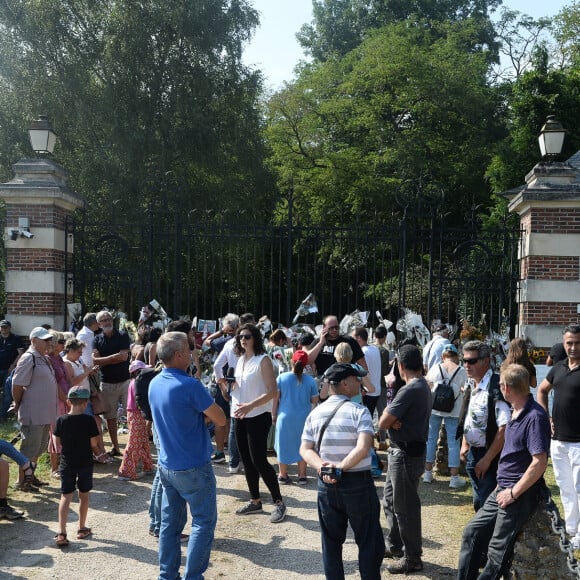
(302, 356)
(5, 323)
(40, 332)
(136, 365)
(450, 348)
(79, 393)
(340, 371)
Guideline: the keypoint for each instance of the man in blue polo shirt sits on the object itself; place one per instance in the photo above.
(180, 405)
(520, 482)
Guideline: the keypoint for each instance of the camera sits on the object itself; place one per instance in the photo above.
(26, 234)
(332, 472)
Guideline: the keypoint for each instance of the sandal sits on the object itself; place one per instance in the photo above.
(28, 482)
(61, 540)
(83, 533)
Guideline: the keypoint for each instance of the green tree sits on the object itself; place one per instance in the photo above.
(407, 113)
(150, 99)
(339, 26)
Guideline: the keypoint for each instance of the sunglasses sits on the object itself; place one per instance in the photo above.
(470, 361)
(246, 336)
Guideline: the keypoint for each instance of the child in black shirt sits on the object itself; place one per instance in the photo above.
(78, 435)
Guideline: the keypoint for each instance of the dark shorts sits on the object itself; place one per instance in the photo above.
(73, 477)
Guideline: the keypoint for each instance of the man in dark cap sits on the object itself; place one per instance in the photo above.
(407, 421)
(11, 349)
(336, 441)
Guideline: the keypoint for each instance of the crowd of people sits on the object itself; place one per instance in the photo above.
(322, 401)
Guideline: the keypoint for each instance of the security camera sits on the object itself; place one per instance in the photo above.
(26, 234)
(14, 235)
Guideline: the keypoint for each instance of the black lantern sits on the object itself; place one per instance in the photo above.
(42, 137)
(551, 138)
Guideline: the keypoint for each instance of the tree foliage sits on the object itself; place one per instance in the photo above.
(150, 99)
(339, 26)
(408, 113)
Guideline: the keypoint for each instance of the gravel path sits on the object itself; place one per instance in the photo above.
(245, 547)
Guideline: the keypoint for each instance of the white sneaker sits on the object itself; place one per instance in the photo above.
(428, 477)
(457, 482)
(233, 469)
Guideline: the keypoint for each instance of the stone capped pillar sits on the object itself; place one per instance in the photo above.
(35, 267)
(549, 210)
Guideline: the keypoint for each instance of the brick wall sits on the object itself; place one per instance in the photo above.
(35, 260)
(552, 220)
(34, 303)
(44, 216)
(549, 313)
(550, 268)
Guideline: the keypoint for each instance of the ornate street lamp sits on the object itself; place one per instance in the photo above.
(42, 137)
(551, 138)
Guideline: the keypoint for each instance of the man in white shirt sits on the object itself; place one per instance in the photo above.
(434, 348)
(373, 358)
(86, 335)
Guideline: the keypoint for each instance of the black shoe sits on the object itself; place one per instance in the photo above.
(405, 566)
(394, 553)
(115, 453)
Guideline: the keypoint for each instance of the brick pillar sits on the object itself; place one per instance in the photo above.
(549, 210)
(35, 268)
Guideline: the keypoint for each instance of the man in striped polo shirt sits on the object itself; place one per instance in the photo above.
(346, 491)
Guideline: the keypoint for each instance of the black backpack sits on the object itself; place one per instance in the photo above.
(443, 395)
(142, 383)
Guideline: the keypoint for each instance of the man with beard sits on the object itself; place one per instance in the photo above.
(564, 378)
(111, 351)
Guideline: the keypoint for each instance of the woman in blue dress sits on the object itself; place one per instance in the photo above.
(297, 393)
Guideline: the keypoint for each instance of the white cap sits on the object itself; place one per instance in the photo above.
(40, 332)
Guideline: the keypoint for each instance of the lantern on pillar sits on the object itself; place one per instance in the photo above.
(551, 138)
(42, 137)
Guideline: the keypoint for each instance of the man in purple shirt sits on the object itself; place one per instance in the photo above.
(492, 531)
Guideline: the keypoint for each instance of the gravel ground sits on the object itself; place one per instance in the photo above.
(245, 547)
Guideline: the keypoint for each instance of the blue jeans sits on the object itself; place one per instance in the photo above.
(233, 444)
(195, 488)
(493, 531)
(401, 502)
(12, 452)
(156, 494)
(452, 443)
(481, 487)
(6, 395)
(354, 500)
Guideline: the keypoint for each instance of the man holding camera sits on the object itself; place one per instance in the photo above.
(336, 441)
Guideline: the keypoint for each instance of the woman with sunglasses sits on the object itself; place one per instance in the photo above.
(251, 405)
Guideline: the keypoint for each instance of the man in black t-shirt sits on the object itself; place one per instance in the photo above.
(11, 348)
(564, 378)
(322, 353)
(111, 351)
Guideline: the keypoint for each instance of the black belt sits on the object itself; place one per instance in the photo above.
(357, 474)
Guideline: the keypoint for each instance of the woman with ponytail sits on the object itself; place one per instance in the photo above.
(297, 392)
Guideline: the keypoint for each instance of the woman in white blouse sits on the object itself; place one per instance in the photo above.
(252, 396)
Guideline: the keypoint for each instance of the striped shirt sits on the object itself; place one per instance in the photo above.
(341, 435)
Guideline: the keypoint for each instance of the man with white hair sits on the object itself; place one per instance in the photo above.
(86, 335)
(35, 393)
(111, 351)
(434, 348)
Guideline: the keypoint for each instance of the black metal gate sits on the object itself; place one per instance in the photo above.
(208, 266)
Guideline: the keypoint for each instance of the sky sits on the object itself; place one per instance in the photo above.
(276, 52)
